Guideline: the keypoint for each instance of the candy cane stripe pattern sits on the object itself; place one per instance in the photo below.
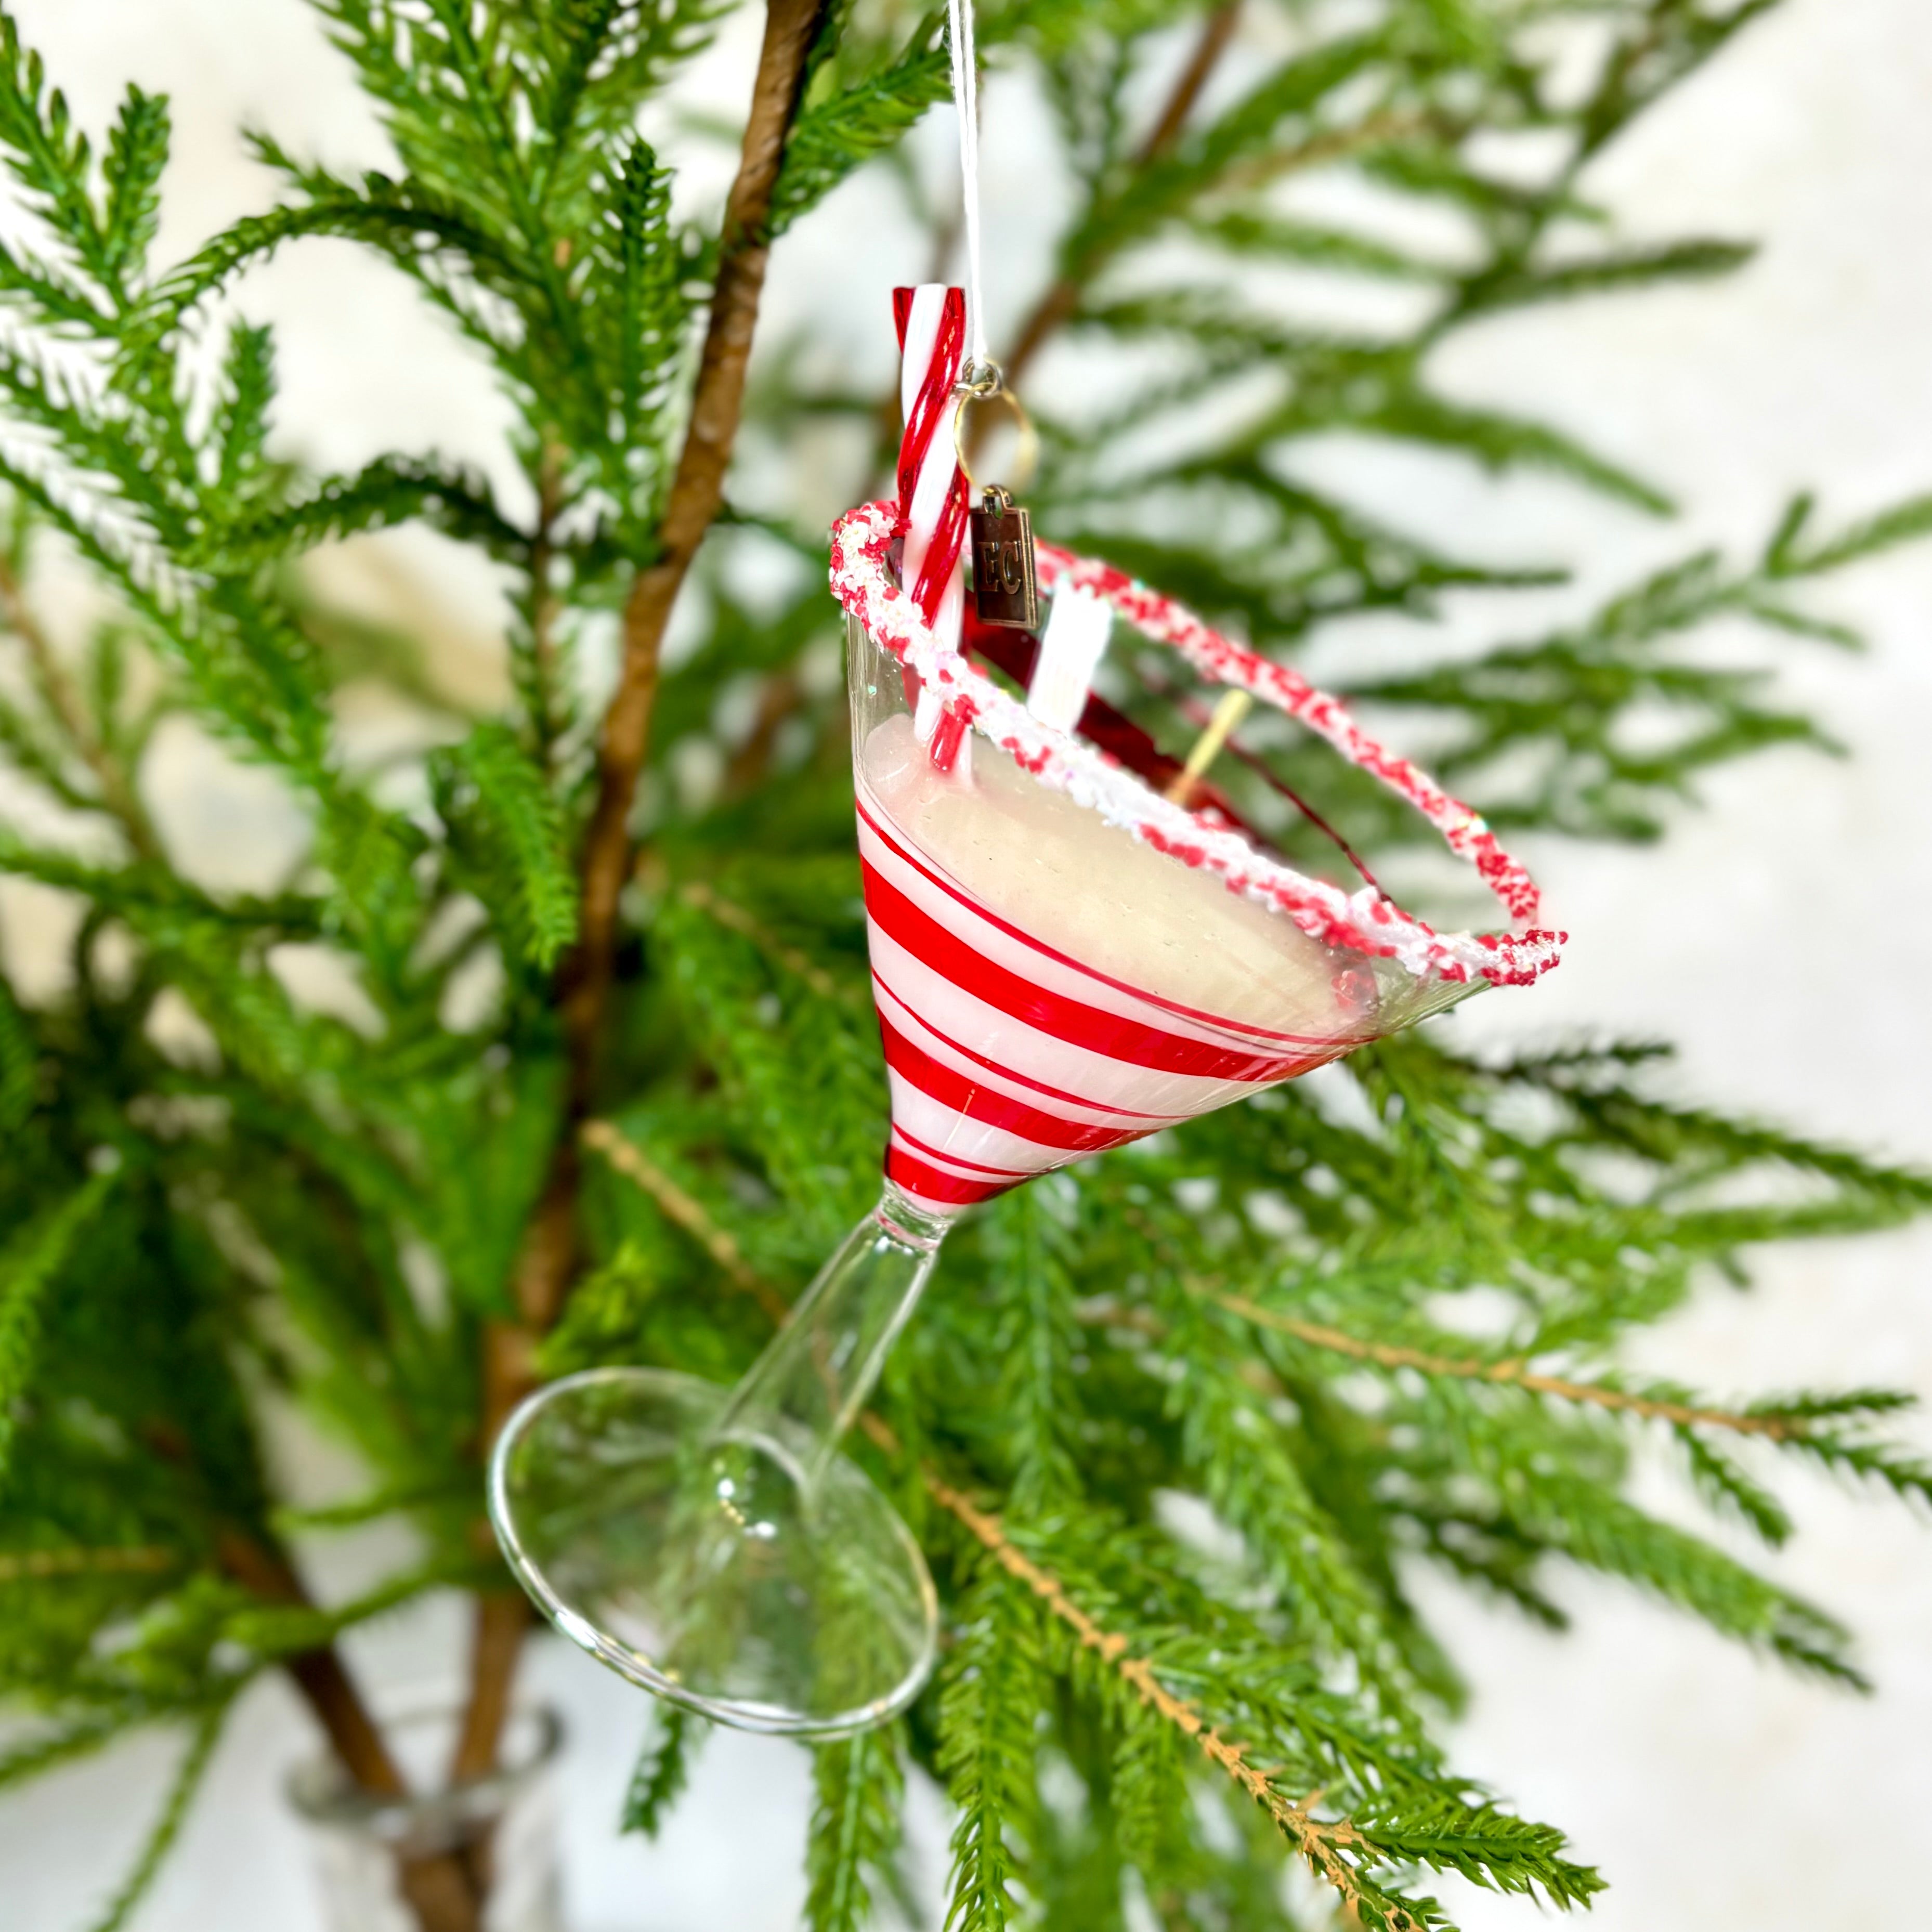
(1006, 1059)
(1367, 922)
(1007, 1056)
(931, 320)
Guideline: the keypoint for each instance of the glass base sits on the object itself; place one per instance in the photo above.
(711, 1569)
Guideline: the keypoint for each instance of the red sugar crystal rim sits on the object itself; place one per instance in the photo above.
(1366, 921)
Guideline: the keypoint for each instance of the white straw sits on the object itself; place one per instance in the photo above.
(1070, 649)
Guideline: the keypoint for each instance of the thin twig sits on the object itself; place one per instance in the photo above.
(629, 1160)
(1377, 131)
(1513, 1374)
(1061, 302)
(35, 1565)
(545, 603)
(119, 798)
(728, 912)
(1058, 306)
(1215, 35)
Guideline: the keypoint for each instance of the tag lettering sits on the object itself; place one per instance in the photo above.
(1005, 590)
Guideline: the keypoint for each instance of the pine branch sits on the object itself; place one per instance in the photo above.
(1062, 301)
(860, 1786)
(696, 492)
(167, 1827)
(31, 1260)
(118, 795)
(662, 1770)
(1336, 1849)
(389, 491)
(988, 1695)
(489, 788)
(1513, 1373)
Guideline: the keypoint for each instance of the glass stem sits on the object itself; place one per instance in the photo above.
(821, 1367)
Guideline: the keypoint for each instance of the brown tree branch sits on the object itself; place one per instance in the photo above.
(697, 491)
(548, 1257)
(1215, 35)
(496, 1635)
(1057, 307)
(439, 1886)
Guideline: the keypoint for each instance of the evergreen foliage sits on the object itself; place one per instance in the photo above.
(282, 1204)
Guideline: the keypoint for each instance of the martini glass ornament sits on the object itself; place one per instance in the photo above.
(1063, 960)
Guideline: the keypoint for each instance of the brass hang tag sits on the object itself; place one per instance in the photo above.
(1005, 590)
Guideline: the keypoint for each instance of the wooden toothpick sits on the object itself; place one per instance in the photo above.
(1233, 707)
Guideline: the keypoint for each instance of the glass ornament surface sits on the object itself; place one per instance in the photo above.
(712, 1545)
(1049, 987)
(1063, 961)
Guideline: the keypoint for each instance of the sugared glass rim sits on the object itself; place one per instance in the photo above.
(1367, 921)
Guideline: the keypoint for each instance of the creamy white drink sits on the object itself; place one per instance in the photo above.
(1071, 881)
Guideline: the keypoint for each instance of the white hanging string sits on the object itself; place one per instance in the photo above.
(966, 100)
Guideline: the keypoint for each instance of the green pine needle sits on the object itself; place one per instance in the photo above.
(1223, 1391)
(663, 1769)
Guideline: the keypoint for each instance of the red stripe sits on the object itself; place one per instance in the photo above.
(908, 1171)
(942, 550)
(1155, 1121)
(1008, 1174)
(948, 735)
(1093, 1027)
(935, 389)
(954, 1089)
(1174, 1006)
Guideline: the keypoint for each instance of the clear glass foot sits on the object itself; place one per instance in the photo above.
(712, 1545)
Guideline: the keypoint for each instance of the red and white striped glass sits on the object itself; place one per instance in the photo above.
(1063, 960)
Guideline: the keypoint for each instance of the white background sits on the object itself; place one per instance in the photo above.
(1779, 937)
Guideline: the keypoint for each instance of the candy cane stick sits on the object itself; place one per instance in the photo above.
(932, 492)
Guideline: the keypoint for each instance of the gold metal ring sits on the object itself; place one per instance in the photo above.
(982, 383)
